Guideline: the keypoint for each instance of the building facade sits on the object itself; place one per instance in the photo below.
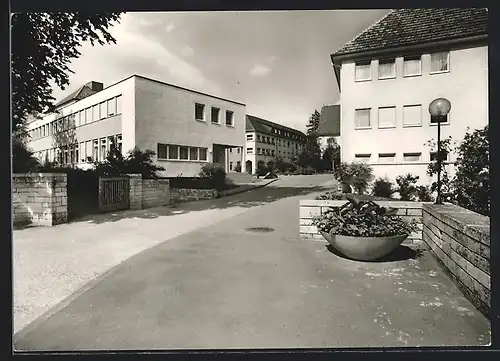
(185, 128)
(266, 141)
(387, 82)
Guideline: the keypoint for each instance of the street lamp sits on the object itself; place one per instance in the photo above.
(439, 108)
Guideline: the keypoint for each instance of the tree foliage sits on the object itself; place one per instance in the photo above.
(135, 162)
(310, 156)
(313, 123)
(43, 45)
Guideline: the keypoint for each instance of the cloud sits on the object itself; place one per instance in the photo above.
(111, 63)
(170, 27)
(259, 70)
(187, 51)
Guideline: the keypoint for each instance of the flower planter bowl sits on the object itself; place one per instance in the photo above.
(364, 248)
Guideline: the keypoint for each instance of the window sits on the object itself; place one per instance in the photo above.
(88, 149)
(258, 150)
(442, 120)
(173, 152)
(249, 150)
(363, 71)
(412, 157)
(81, 115)
(288, 144)
(249, 136)
(88, 115)
(77, 153)
(412, 65)
(95, 113)
(387, 117)
(362, 118)
(387, 158)
(111, 107)
(102, 153)
(119, 142)
(111, 142)
(215, 115)
(162, 151)
(258, 138)
(440, 62)
(193, 153)
(230, 165)
(119, 104)
(71, 154)
(433, 155)
(387, 68)
(272, 152)
(82, 152)
(103, 110)
(184, 153)
(238, 150)
(412, 115)
(229, 118)
(203, 153)
(362, 158)
(199, 112)
(95, 151)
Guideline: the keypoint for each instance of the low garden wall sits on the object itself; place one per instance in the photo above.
(183, 195)
(310, 208)
(155, 193)
(460, 240)
(39, 199)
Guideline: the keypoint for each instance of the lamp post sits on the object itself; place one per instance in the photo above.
(439, 108)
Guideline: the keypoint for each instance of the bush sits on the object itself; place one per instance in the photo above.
(407, 188)
(424, 194)
(271, 166)
(363, 219)
(237, 168)
(215, 173)
(471, 183)
(383, 187)
(331, 195)
(261, 168)
(362, 174)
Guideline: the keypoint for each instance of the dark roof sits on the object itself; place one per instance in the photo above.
(329, 121)
(80, 93)
(264, 126)
(404, 27)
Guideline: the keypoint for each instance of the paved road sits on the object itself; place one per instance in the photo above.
(225, 287)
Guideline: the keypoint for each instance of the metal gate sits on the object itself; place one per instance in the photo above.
(114, 194)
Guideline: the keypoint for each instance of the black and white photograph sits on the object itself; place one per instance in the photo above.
(233, 180)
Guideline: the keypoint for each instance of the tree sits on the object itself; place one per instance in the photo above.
(471, 183)
(331, 154)
(43, 45)
(313, 124)
(434, 166)
(310, 156)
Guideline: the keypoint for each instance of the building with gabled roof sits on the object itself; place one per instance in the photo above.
(390, 73)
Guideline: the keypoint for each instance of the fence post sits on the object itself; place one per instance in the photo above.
(135, 193)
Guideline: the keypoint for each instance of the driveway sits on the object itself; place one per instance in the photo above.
(52, 263)
(225, 287)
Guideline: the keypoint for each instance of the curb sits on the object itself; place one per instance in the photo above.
(244, 189)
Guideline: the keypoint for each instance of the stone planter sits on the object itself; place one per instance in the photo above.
(364, 248)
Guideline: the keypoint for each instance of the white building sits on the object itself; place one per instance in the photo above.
(389, 74)
(266, 140)
(184, 127)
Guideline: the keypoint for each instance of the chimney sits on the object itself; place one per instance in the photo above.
(95, 86)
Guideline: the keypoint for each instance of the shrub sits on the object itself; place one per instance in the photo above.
(407, 188)
(471, 183)
(363, 219)
(424, 194)
(362, 174)
(383, 187)
(331, 195)
(215, 173)
(271, 166)
(342, 174)
(237, 168)
(261, 168)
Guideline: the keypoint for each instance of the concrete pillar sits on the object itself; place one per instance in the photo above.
(135, 192)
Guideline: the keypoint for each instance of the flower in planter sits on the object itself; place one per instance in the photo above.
(363, 219)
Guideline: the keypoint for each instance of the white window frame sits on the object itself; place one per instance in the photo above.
(355, 119)
(249, 150)
(381, 157)
(218, 115)
(232, 118)
(412, 125)
(412, 58)
(356, 79)
(391, 61)
(359, 156)
(447, 61)
(410, 154)
(249, 137)
(443, 123)
(395, 118)
(203, 119)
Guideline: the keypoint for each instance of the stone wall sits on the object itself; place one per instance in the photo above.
(39, 199)
(183, 195)
(135, 192)
(460, 240)
(155, 193)
(310, 208)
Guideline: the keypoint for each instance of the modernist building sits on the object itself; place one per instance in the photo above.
(390, 73)
(266, 140)
(185, 128)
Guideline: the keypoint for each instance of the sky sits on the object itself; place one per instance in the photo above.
(276, 62)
